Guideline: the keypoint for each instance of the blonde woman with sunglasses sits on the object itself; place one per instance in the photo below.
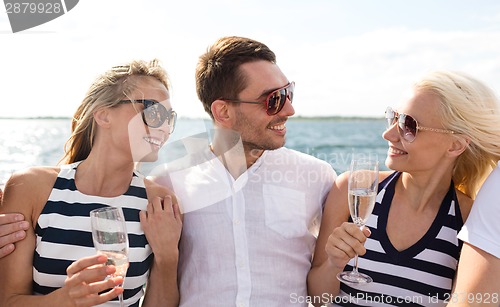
(124, 118)
(443, 142)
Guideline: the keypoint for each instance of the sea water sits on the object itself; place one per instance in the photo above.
(30, 142)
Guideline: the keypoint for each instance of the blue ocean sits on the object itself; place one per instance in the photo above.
(30, 142)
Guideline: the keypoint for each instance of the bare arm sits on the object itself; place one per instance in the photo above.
(162, 225)
(27, 193)
(478, 279)
(337, 243)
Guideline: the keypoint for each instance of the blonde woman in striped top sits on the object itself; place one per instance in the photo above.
(124, 118)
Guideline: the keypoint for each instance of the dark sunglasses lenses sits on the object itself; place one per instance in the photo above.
(277, 99)
(407, 125)
(155, 114)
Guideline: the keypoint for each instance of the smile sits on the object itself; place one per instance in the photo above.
(278, 127)
(396, 151)
(154, 141)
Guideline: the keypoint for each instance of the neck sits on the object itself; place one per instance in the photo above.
(104, 176)
(424, 190)
(234, 155)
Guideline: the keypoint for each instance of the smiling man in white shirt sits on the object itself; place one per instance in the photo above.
(251, 206)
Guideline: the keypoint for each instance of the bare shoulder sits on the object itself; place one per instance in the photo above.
(32, 177)
(383, 174)
(342, 179)
(465, 203)
(27, 190)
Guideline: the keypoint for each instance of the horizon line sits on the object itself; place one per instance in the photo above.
(298, 117)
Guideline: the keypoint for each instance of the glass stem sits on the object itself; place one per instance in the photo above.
(120, 297)
(355, 268)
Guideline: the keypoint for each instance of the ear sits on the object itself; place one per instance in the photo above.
(222, 113)
(458, 146)
(102, 117)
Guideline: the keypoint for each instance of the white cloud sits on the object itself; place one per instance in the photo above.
(343, 62)
(361, 75)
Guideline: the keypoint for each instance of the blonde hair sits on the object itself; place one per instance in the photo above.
(105, 92)
(469, 108)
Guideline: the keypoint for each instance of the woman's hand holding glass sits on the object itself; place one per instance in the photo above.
(110, 237)
(86, 282)
(362, 191)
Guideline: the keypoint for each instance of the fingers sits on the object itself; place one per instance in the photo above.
(7, 249)
(166, 205)
(176, 210)
(12, 222)
(367, 232)
(84, 289)
(84, 263)
(87, 281)
(12, 229)
(11, 218)
(170, 205)
(91, 294)
(12, 235)
(91, 274)
(162, 226)
(345, 242)
(354, 232)
(93, 299)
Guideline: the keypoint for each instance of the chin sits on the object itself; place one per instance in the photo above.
(274, 146)
(277, 145)
(394, 166)
(151, 157)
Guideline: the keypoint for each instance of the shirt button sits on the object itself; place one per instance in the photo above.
(236, 222)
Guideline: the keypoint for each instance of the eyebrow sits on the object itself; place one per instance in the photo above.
(264, 93)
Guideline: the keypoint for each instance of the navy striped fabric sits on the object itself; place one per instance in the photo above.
(422, 274)
(63, 234)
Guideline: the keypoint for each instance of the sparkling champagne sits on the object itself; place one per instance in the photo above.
(119, 260)
(361, 202)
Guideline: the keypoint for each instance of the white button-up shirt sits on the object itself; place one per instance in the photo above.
(249, 241)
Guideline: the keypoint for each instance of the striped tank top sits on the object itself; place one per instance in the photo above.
(421, 275)
(63, 234)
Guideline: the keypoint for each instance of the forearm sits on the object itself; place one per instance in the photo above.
(477, 282)
(162, 289)
(21, 300)
(322, 282)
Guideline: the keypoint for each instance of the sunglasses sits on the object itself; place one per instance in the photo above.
(155, 114)
(407, 125)
(275, 100)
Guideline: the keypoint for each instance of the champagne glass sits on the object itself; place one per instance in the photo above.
(362, 191)
(110, 238)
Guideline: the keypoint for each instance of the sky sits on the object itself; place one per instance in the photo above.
(347, 57)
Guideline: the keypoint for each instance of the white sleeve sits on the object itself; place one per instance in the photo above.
(482, 228)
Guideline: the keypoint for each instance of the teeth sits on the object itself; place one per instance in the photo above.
(153, 141)
(278, 127)
(396, 151)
